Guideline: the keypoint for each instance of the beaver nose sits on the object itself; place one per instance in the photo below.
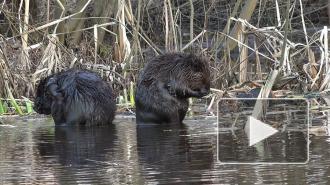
(205, 91)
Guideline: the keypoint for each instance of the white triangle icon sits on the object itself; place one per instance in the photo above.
(257, 130)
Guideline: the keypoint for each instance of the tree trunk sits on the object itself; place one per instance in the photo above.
(104, 8)
(246, 14)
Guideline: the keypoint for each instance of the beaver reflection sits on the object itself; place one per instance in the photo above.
(78, 145)
(170, 153)
(78, 153)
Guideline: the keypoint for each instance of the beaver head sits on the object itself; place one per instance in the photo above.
(43, 99)
(192, 72)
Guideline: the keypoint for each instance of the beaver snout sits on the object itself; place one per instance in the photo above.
(204, 91)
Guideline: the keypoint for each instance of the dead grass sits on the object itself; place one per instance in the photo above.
(138, 30)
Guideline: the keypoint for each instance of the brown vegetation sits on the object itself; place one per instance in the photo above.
(246, 40)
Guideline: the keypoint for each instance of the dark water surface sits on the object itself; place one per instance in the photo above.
(36, 152)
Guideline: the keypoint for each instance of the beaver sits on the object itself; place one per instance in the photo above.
(166, 83)
(76, 97)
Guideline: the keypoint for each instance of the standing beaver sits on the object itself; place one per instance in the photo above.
(165, 85)
(76, 97)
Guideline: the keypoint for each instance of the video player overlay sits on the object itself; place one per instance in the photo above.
(273, 131)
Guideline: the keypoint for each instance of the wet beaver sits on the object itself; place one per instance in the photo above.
(76, 97)
(166, 83)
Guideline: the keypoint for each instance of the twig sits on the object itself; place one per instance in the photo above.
(191, 19)
(193, 40)
(95, 43)
(57, 21)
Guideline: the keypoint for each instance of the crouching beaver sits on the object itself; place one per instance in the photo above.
(166, 83)
(76, 97)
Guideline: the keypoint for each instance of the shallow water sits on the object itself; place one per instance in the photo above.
(36, 152)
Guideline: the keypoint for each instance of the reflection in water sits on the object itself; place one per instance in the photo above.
(168, 155)
(39, 153)
(282, 147)
(315, 172)
(78, 151)
(91, 155)
(288, 145)
(73, 146)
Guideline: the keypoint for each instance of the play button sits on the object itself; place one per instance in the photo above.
(257, 130)
(242, 137)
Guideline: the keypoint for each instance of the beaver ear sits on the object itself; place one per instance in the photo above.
(54, 91)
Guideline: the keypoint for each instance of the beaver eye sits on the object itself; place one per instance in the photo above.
(196, 89)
